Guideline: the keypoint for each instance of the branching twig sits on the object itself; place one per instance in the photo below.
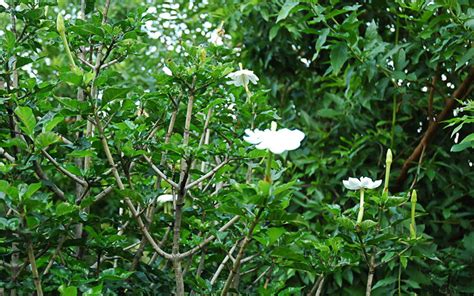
(207, 175)
(63, 170)
(160, 173)
(459, 93)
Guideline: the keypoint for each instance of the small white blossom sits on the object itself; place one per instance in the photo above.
(167, 71)
(362, 183)
(216, 37)
(165, 198)
(3, 3)
(277, 141)
(242, 77)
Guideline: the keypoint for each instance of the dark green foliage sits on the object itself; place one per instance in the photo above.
(357, 78)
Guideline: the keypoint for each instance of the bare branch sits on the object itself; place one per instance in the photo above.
(222, 265)
(160, 173)
(7, 155)
(129, 203)
(207, 175)
(85, 62)
(63, 170)
(42, 175)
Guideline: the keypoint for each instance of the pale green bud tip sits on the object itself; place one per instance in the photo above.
(273, 126)
(414, 197)
(241, 67)
(60, 24)
(389, 156)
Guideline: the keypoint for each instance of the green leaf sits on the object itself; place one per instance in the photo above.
(328, 113)
(45, 139)
(27, 118)
(273, 32)
(404, 261)
(87, 30)
(320, 42)
(285, 10)
(338, 57)
(392, 201)
(94, 291)
(22, 61)
(115, 274)
(367, 224)
(468, 57)
(81, 153)
(67, 291)
(275, 233)
(113, 93)
(384, 282)
(10, 41)
(31, 189)
(65, 208)
(467, 142)
(71, 78)
(51, 124)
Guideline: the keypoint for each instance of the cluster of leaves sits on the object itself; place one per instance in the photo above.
(350, 75)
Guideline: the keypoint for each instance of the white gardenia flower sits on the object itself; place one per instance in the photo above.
(167, 71)
(165, 198)
(216, 37)
(242, 77)
(277, 141)
(362, 183)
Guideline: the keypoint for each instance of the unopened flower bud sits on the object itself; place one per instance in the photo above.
(202, 55)
(414, 198)
(60, 24)
(389, 156)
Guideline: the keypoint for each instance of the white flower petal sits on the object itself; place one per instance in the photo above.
(167, 71)
(361, 183)
(349, 185)
(165, 198)
(276, 141)
(352, 184)
(375, 184)
(242, 77)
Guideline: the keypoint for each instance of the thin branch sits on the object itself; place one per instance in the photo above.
(160, 173)
(261, 275)
(34, 270)
(462, 91)
(112, 62)
(55, 254)
(223, 263)
(103, 193)
(431, 96)
(129, 203)
(237, 263)
(63, 170)
(42, 175)
(85, 62)
(210, 238)
(7, 155)
(320, 286)
(207, 175)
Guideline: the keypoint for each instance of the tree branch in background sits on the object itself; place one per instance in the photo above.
(461, 92)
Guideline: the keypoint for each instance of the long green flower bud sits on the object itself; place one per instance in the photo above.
(413, 209)
(388, 164)
(62, 32)
(60, 25)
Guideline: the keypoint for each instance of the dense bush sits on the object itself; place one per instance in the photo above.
(140, 155)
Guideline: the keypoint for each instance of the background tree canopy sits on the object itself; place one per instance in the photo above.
(110, 107)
